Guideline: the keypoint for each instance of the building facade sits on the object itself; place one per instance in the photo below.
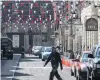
(90, 23)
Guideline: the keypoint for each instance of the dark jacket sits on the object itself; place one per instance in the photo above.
(55, 59)
(22, 49)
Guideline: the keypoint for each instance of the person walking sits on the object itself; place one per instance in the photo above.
(55, 60)
(22, 51)
(30, 50)
(58, 49)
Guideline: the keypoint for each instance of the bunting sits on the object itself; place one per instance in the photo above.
(21, 15)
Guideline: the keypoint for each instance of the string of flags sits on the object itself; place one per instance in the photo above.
(32, 12)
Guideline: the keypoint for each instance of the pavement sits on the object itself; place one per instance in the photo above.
(31, 68)
(9, 67)
(3, 62)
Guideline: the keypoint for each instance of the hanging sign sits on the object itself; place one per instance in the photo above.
(91, 24)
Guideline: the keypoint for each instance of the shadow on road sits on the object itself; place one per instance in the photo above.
(19, 69)
(29, 59)
(21, 74)
(15, 79)
(26, 60)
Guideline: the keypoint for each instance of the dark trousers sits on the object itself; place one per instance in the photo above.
(53, 73)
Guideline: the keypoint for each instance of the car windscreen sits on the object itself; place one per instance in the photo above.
(98, 53)
(48, 49)
(85, 57)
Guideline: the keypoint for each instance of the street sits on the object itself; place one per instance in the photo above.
(46, 29)
(31, 68)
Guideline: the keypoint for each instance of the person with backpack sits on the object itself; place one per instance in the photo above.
(55, 60)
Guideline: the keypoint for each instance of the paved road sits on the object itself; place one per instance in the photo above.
(31, 68)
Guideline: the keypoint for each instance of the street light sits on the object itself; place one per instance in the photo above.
(71, 31)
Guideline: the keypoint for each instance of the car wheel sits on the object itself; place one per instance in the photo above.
(72, 74)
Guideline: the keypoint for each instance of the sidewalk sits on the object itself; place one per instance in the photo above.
(7, 71)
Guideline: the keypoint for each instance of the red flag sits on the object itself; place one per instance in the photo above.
(42, 10)
(18, 10)
(36, 19)
(32, 16)
(21, 4)
(32, 22)
(48, 19)
(13, 5)
(67, 17)
(41, 21)
(36, 4)
(6, 3)
(30, 11)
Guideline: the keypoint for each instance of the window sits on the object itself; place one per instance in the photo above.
(98, 53)
(93, 51)
(84, 57)
(48, 50)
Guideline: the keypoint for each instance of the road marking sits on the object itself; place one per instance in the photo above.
(40, 67)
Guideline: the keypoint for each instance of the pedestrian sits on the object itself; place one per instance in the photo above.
(30, 50)
(58, 49)
(22, 51)
(55, 60)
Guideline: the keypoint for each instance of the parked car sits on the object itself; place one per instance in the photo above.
(82, 66)
(94, 67)
(79, 65)
(74, 63)
(6, 48)
(46, 51)
(36, 50)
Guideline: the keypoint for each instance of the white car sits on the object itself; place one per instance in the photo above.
(46, 51)
(36, 50)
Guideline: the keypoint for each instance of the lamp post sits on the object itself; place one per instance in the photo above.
(71, 34)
